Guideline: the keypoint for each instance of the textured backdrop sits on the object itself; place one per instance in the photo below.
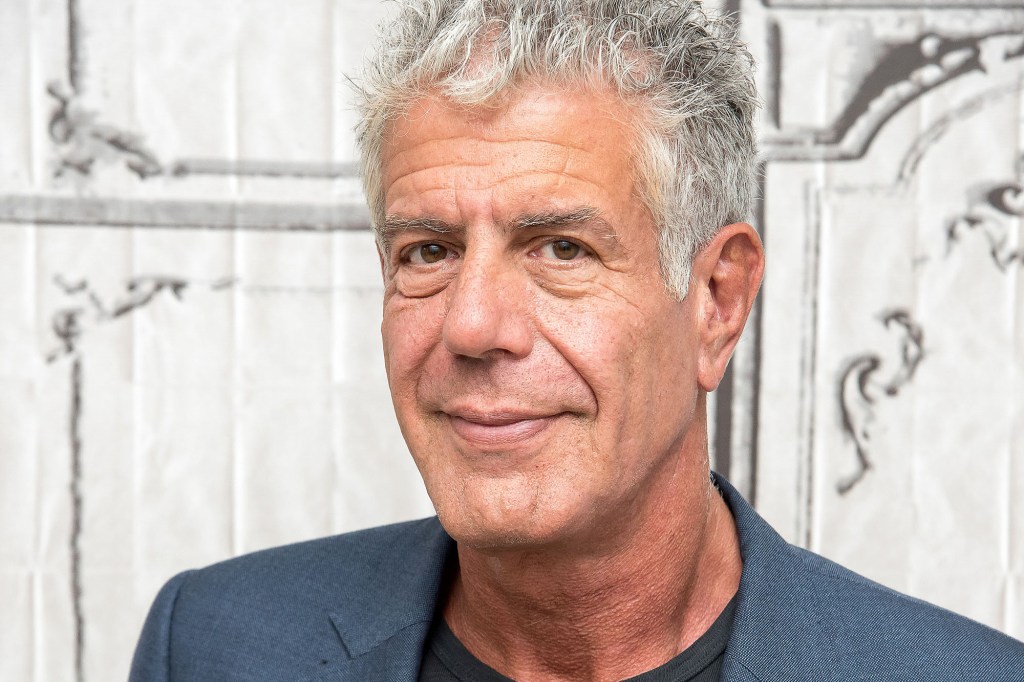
(189, 347)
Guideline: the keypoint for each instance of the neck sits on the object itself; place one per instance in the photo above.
(610, 611)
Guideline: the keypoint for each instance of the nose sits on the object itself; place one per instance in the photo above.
(488, 310)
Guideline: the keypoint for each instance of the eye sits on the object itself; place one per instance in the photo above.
(562, 249)
(426, 254)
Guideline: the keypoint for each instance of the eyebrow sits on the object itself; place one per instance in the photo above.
(579, 217)
(586, 216)
(394, 225)
(552, 219)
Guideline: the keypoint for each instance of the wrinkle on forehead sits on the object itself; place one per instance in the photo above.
(422, 185)
(485, 137)
(547, 152)
(440, 123)
(455, 154)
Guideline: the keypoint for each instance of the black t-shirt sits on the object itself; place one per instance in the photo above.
(445, 659)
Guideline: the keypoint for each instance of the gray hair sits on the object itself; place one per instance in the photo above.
(686, 73)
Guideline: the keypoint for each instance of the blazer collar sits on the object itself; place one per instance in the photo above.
(386, 612)
(386, 615)
(773, 601)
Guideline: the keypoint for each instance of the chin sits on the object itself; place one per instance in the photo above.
(503, 514)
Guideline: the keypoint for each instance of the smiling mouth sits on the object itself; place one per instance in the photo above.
(499, 429)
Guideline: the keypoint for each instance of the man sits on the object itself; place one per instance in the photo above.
(558, 190)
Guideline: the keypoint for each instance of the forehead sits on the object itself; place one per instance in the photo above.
(544, 146)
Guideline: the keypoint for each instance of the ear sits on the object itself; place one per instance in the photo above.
(726, 276)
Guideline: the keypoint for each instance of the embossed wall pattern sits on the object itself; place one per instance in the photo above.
(190, 359)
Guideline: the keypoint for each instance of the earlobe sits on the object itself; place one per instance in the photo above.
(729, 270)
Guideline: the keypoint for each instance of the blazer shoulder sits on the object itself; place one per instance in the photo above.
(356, 551)
(906, 633)
(278, 611)
(802, 616)
(324, 573)
(151, 661)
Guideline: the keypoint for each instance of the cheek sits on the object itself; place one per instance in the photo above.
(411, 328)
(636, 362)
(599, 339)
(599, 346)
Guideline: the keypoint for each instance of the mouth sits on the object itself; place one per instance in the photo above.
(492, 429)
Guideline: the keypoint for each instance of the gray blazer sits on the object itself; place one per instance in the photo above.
(358, 607)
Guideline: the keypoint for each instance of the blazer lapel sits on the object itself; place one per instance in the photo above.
(385, 616)
(396, 659)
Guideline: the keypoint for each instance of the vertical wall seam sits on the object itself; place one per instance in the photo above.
(74, 427)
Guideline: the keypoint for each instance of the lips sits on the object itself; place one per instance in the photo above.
(489, 429)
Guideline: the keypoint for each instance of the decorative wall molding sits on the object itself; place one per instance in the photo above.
(185, 215)
(994, 219)
(861, 390)
(69, 324)
(82, 140)
(906, 73)
(937, 130)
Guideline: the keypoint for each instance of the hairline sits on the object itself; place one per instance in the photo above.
(693, 163)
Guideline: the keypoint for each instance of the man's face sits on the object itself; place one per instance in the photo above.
(543, 377)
